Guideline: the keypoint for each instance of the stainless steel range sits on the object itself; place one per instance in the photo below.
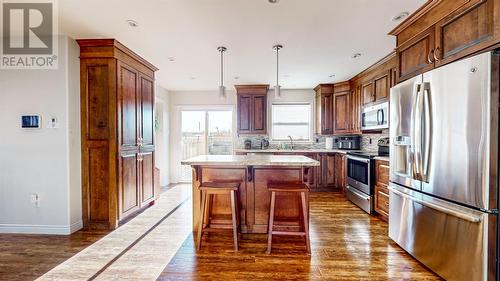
(360, 179)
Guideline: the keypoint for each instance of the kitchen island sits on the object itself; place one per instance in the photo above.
(253, 172)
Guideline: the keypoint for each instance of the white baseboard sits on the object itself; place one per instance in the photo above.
(41, 229)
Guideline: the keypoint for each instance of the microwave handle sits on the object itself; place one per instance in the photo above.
(379, 122)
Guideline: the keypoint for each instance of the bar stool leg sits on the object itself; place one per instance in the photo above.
(306, 220)
(202, 217)
(271, 222)
(235, 225)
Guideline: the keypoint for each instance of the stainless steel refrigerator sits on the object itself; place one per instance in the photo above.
(443, 205)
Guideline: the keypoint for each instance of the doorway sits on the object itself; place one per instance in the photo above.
(205, 132)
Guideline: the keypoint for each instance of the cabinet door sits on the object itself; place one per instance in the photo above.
(416, 55)
(381, 86)
(147, 148)
(464, 32)
(244, 114)
(381, 205)
(341, 124)
(320, 174)
(317, 127)
(368, 93)
(340, 177)
(329, 170)
(259, 119)
(129, 130)
(356, 110)
(327, 114)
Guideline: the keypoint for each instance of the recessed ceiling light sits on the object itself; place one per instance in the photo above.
(356, 55)
(171, 59)
(400, 16)
(132, 23)
(286, 75)
(273, 1)
(236, 77)
(331, 75)
(193, 78)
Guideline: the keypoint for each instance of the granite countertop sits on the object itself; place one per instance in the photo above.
(251, 160)
(383, 158)
(307, 150)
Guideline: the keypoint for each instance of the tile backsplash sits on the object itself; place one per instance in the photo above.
(368, 141)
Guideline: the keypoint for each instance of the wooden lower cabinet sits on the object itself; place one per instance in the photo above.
(334, 171)
(381, 204)
(382, 201)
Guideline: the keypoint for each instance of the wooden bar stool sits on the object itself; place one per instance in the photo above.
(276, 188)
(208, 190)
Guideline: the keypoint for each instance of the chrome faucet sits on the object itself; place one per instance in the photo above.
(291, 142)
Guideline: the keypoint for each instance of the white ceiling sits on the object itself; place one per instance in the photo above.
(319, 37)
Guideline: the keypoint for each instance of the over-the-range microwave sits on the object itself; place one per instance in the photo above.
(375, 117)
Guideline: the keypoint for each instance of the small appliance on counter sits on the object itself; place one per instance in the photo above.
(264, 144)
(329, 143)
(383, 146)
(248, 144)
(349, 142)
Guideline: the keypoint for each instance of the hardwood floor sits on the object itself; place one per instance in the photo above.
(27, 256)
(347, 244)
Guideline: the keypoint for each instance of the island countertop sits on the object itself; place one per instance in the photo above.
(251, 160)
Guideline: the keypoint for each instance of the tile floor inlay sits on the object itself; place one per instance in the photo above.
(150, 239)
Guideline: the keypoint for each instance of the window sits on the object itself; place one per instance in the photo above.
(291, 119)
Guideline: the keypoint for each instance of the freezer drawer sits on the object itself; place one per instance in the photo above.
(359, 198)
(449, 239)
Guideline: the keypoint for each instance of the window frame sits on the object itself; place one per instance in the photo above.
(310, 123)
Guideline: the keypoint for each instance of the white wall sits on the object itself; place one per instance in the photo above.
(180, 100)
(42, 161)
(162, 135)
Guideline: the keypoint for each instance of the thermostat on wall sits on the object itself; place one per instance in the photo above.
(30, 121)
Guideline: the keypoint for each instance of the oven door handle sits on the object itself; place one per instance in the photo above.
(364, 160)
(358, 193)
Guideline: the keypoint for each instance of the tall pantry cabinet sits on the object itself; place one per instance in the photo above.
(117, 125)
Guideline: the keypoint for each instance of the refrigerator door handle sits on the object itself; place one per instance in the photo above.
(416, 134)
(427, 131)
(438, 207)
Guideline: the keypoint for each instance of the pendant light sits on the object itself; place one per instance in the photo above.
(277, 87)
(222, 88)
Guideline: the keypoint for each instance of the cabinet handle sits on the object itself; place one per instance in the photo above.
(430, 55)
(139, 157)
(436, 54)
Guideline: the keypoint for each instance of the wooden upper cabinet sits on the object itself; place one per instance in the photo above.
(381, 87)
(415, 56)
(368, 93)
(259, 113)
(252, 109)
(463, 32)
(443, 31)
(324, 109)
(341, 109)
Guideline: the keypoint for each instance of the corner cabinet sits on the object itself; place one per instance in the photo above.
(443, 31)
(252, 109)
(324, 109)
(117, 130)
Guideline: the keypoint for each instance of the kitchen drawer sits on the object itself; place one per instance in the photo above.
(382, 201)
(381, 172)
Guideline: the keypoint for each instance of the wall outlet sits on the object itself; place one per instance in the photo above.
(35, 200)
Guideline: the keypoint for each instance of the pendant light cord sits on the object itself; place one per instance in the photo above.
(222, 67)
(277, 65)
